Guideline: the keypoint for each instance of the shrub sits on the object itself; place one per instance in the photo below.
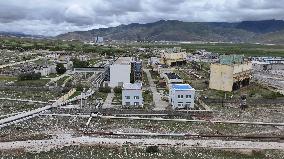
(60, 69)
(117, 90)
(29, 76)
(152, 149)
(105, 89)
(79, 87)
(80, 64)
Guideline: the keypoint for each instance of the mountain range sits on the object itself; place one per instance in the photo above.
(266, 31)
(20, 35)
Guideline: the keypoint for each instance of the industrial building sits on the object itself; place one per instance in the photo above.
(270, 60)
(173, 57)
(136, 70)
(120, 71)
(230, 74)
(172, 78)
(181, 96)
(132, 94)
(125, 70)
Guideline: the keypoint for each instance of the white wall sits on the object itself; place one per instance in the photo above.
(119, 73)
(174, 100)
(131, 94)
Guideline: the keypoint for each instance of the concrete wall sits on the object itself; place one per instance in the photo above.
(242, 67)
(174, 100)
(119, 74)
(67, 95)
(131, 94)
(221, 77)
(169, 58)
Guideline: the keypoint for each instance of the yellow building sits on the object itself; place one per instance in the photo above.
(230, 77)
(173, 59)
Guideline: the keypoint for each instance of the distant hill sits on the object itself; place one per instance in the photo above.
(271, 38)
(265, 26)
(19, 35)
(173, 30)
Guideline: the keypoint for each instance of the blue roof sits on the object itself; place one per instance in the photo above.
(181, 86)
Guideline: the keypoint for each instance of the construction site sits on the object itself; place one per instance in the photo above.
(48, 118)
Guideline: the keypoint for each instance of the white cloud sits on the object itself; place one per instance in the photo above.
(52, 17)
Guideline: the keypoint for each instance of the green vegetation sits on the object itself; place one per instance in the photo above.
(29, 76)
(56, 45)
(93, 61)
(105, 89)
(60, 69)
(245, 49)
(117, 98)
(152, 149)
(148, 99)
(98, 151)
(145, 80)
(253, 91)
(101, 95)
(7, 78)
(32, 83)
(61, 80)
(77, 93)
(117, 90)
(80, 64)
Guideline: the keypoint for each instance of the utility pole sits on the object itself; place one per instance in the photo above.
(81, 102)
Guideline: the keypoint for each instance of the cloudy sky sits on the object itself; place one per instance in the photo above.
(52, 17)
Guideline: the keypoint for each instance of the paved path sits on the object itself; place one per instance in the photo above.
(159, 103)
(24, 100)
(108, 101)
(46, 145)
(55, 79)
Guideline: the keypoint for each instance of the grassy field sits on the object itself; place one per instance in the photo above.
(32, 83)
(228, 48)
(253, 91)
(115, 152)
(7, 78)
(61, 81)
(246, 49)
(148, 99)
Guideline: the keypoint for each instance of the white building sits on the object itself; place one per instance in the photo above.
(172, 78)
(181, 96)
(45, 70)
(132, 94)
(83, 57)
(120, 71)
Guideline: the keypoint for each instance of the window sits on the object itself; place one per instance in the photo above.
(136, 103)
(127, 97)
(187, 105)
(180, 96)
(136, 97)
(180, 104)
(127, 103)
(188, 96)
